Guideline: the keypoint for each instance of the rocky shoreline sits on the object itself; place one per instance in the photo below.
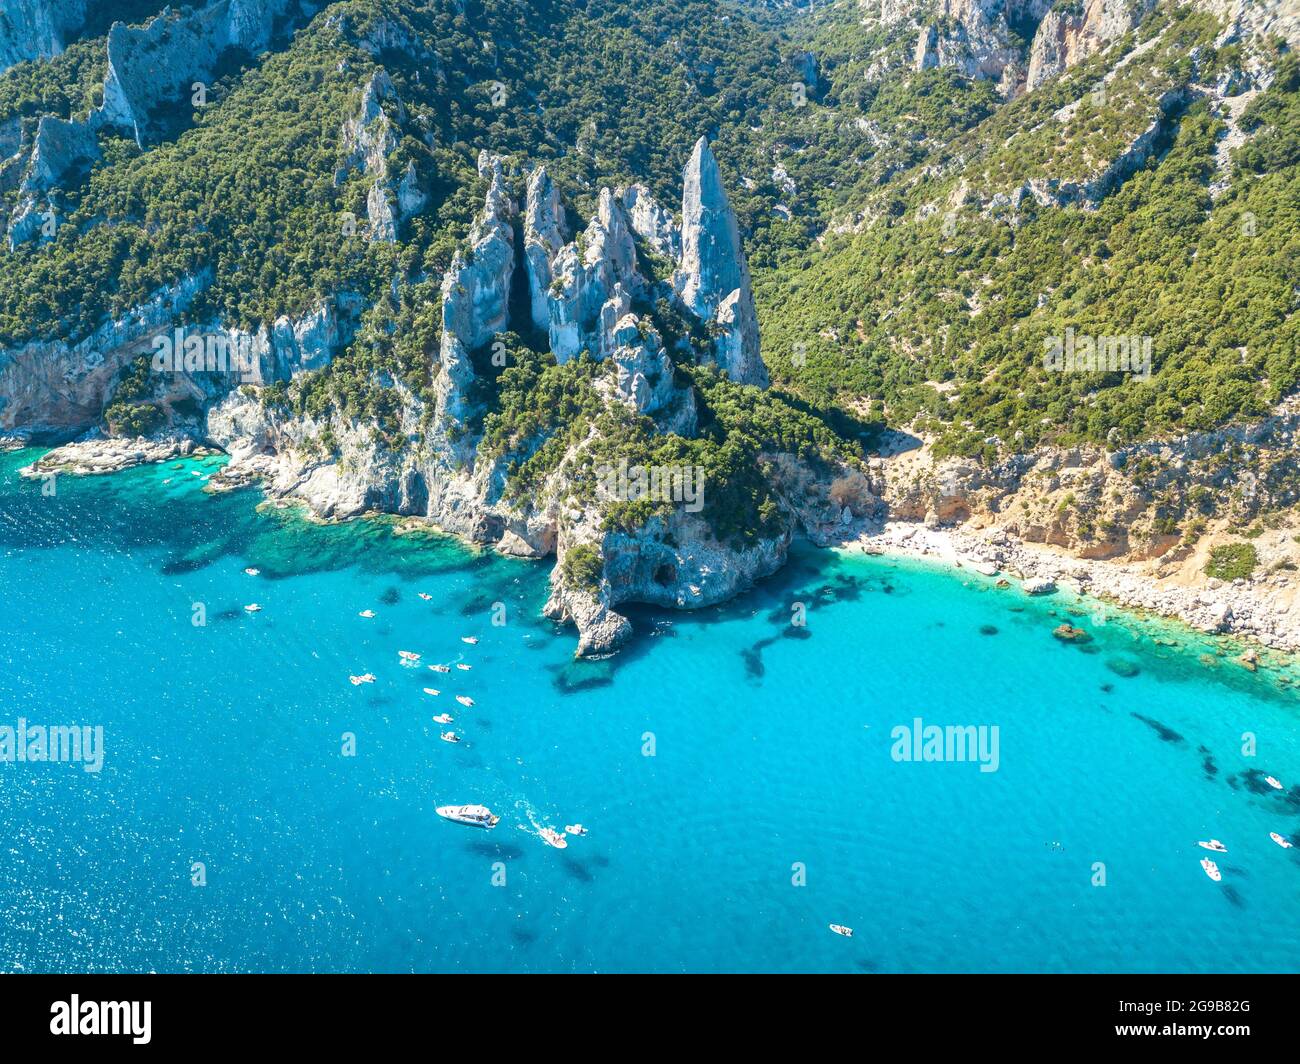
(112, 454)
(1264, 614)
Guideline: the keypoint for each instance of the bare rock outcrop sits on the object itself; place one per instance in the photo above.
(475, 306)
(651, 222)
(150, 68)
(545, 233)
(1067, 36)
(713, 279)
(38, 29)
(586, 275)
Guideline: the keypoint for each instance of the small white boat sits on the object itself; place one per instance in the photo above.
(365, 677)
(449, 737)
(574, 829)
(424, 595)
(463, 667)
(440, 668)
(553, 838)
(1213, 844)
(1211, 869)
(431, 691)
(366, 613)
(465, 700)
(470, 639)
(840, 929)
(168, 480)
(1284, 843)
(1273, 782)
(195, 473)
(408, 655)
(252, 607)
(444, 718)
(250, 571)
(476, 816)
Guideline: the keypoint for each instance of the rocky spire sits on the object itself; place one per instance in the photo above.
(586, 275)
(651, 222)
(545, 233)
(713, 279)
(475, 304)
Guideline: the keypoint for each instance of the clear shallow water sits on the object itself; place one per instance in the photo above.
(223, 746)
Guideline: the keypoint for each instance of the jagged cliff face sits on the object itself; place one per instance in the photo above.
(1067, 36)
(1018, 44)
(1022, 44)
(37, 29)
(150, 68)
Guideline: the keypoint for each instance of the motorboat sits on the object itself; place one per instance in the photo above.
(840, 929)
(1284, 843)
(553, 838)
(449, 737)
(465, 700)
(476, 816)
(1213, 844)
(1211, 869)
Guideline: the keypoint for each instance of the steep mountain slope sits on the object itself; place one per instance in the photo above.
(1150, 192)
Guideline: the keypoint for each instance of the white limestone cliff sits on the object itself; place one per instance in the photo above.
(37, 29)
(713, 278)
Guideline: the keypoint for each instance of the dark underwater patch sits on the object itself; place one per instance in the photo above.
(391, 596)
(1207, 762)
(502, 851)
(579, 675)
(1234, 897)
(1166, 733)
(988, 629)
(1123, 667)
(579, 871)
(179, 566)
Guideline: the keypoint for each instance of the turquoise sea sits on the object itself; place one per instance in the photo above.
(771, 766)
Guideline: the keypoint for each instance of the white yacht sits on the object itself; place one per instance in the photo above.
(476, 816)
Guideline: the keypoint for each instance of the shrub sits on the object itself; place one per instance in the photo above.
(583, 567)
(1232, 561)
